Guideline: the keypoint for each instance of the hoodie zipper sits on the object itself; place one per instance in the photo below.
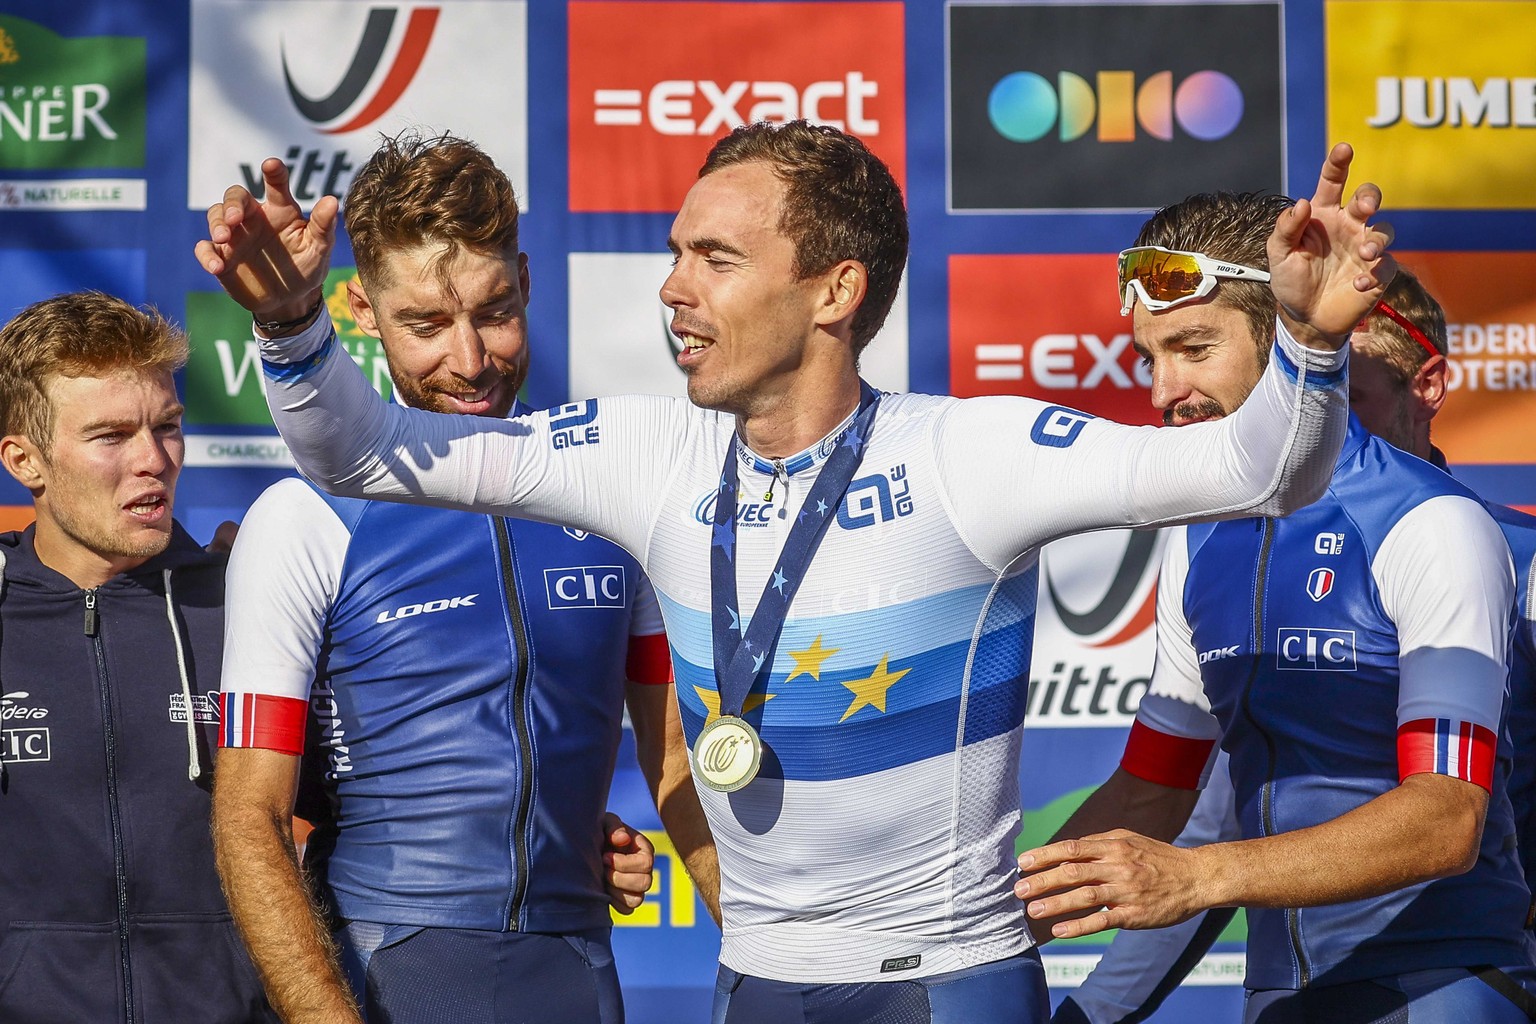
(93, 631)
(1267, 797)
(519, 723)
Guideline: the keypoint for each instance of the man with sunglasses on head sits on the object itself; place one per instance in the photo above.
(1351, 661)
(852, 658)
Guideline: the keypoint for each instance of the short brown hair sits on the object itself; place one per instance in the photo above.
(78, 334)
(1408, 297)
(1231, 226)
(418, 190)
(840, 203)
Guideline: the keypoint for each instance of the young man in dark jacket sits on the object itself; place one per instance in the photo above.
(111, 627)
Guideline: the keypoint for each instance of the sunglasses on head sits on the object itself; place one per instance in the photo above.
(1163, 278)
(1403, 322)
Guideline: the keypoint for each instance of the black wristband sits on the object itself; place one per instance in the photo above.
(279, 326)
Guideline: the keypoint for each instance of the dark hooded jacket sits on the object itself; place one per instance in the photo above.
(110, 907)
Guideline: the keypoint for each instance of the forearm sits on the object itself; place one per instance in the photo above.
(1124, 801)
(683, 818)
(282, 929)
(1428, 827)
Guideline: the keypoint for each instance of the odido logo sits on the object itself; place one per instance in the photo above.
(319, 81)
(1427, 87)
(653, 85)
(1045, 327)
(1100, 107)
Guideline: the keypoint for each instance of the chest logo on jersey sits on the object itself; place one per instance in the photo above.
(1058, 426)
(1320, 584)
(574, 425)
(879, 498)
(1315, 650)
(749, 514)
(1328, 544)
(1219, 654)
(205, 708)
(19, 745)
(585, 586)
(442, 604)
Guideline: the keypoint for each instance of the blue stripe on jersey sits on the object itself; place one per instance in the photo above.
(862, 638)
(292, 373)
(1317, 380)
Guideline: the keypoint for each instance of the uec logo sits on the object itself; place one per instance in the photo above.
(1023, 106)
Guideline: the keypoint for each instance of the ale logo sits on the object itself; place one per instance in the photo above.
(223, 384)
(69, 103)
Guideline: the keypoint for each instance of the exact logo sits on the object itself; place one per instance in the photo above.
(1045, 327)
(1315, 650)
(652, 84)
(585, 586)
(1049, 104)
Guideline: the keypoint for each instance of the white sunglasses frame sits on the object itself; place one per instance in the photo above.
(1210, 270)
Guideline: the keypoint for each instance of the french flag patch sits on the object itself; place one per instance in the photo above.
(1444, 746)
(262, 720)
(1320, 584)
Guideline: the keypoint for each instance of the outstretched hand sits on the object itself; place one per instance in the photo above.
(267, 255)
(1123, 880)
(1328, 266)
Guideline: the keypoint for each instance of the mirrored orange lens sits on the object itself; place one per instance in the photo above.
(1165, 275)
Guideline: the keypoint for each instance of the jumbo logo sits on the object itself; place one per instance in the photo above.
(1315, 650)
(1023, 107)
(585, 586)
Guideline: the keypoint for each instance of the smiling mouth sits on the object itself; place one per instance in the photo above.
(148, 508)
(693, 343)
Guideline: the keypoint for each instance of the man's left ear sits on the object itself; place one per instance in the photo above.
(845, 288)
(1429, 386)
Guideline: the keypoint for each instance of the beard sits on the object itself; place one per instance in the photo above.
(430, 394)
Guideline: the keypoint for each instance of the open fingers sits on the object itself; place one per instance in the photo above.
(1335, 174)
(1365, 203)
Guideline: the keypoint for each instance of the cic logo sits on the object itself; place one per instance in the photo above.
(1025, 107)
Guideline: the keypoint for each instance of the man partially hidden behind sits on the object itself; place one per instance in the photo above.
(465, 677)
(111, 623)
(1351, 659)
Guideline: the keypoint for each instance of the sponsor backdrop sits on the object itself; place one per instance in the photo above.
(1032, 139)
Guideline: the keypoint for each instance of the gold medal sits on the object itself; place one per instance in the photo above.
(727, 754)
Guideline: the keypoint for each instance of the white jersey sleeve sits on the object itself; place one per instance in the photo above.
(1020, 473)
(601, 465)
(1453, 616)
(282, 579)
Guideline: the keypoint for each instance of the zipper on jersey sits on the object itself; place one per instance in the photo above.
(1267, 796)
(519, 698)
(114, 813)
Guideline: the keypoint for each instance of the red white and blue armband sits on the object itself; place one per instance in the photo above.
(1156, 756)
(1445, 746)
(262, 720)
(649, 660)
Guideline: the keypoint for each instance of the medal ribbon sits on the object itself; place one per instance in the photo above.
(740, 659)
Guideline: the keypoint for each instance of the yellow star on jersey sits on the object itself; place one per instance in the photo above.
(808, 662)
(711, 699)
(871, 692)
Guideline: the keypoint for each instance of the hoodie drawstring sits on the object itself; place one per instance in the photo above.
(194, 765)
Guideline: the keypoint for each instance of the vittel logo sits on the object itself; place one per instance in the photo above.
(684, 107)
(1024, 106)
(1455, 102)
(427, 608)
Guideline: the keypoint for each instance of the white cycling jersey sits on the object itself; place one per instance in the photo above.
(877, 842)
